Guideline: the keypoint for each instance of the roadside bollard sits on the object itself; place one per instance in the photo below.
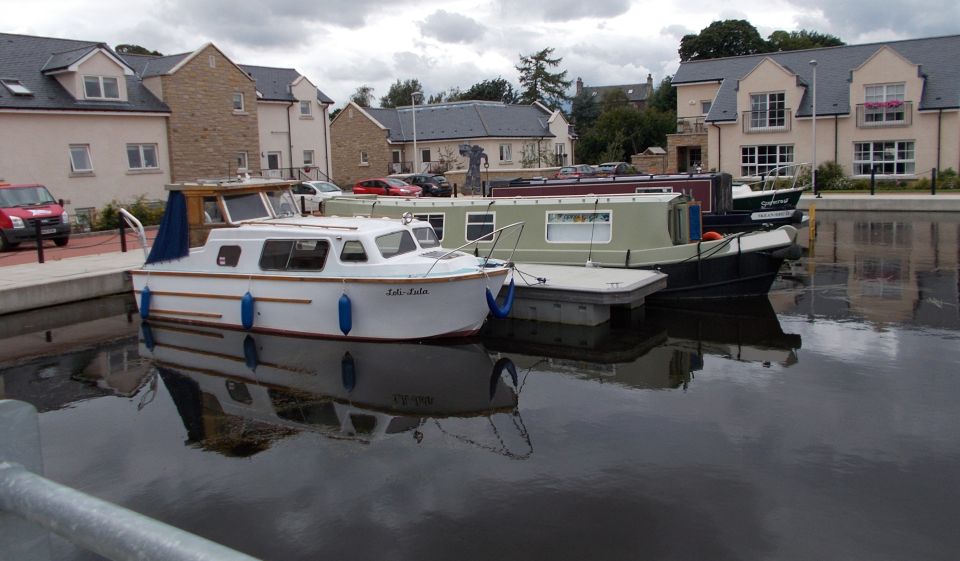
(123, 235)
(933, 181)
(37, 230)
(873, 180)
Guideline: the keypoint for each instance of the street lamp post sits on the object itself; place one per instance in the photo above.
(416, 155)
(813, 167)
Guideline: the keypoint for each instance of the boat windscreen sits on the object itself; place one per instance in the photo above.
(426, 237)
(282, 202)
(245, 207)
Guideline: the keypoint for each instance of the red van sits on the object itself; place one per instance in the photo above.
(22, 207)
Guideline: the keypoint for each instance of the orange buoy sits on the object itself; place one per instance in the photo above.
(712, 236)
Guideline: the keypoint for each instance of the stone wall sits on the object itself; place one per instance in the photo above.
(353, 132)
(205, 133)
(676, 142)
(649, 163)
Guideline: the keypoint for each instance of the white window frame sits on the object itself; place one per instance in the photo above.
(86, 154)
(306, 108)
(876, 98)
(750, 156)
(431, 218)
(768, 110)
(586, 226)
(101, 87)
(364, 158)
(16, 87)
(506, 150)
(142, 150)
(896, 157)
(469, 221)
(238, 96)
(705, 105)
(243, 161)
(308, 158)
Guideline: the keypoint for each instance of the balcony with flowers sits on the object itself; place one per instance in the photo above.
(890, 113)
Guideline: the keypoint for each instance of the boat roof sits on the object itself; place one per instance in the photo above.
(441, 203)
(230, 184)
(300, 226)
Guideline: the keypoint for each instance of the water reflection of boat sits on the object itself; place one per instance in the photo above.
(237, 392)
(659, 348)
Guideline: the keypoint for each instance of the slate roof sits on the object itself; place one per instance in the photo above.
(464, 119)
(634, 92)
(274, 83)
(938, 57)
(148, 66)
(25, 58)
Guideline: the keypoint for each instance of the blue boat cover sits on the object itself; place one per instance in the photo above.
(173, 239)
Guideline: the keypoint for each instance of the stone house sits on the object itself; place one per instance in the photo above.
(892, 108)
(371, 142)
(636, 94)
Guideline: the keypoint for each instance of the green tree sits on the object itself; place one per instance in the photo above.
(488, 90)
(335, 112)
(401, 93)
(803, 39)
(363, 96)
(613, 99)
(732, 37)
(623, 131)
(538, 82)
(664, 98)
(584, 112)
(125, 49)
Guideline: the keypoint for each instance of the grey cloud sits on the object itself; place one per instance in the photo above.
(857, 21)
(452, 28)
(565, 10)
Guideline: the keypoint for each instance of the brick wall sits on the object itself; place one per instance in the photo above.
(205, 133)
(351, 133)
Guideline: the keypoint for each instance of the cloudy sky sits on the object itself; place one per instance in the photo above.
(341, 44)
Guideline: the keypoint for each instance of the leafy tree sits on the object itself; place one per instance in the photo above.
(537, 82)
(732, 37)
(125, 49)
(488, 90)
(584, 111)
(803, 39)
(335, 112)
(613, 99)
(624, 131)
(401, 93)
(363, 96)
(664, 98)
(442, 96)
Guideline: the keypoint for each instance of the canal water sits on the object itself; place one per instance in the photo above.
(821, 423)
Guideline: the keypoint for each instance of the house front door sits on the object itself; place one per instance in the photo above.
(273, 165)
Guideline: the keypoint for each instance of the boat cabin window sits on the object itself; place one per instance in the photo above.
(353, 252)
(282, 202)
(580, 226)
(396, 243)
(426, 237)
(211, 211)
(228, 256)
(294, 255)
(435, 220)
(480, 224)
(245, 207)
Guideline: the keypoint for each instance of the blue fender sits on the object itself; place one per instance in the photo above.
(496, 310)
(147, 332)
(250, 352)
(348, 372)
(246, 310)
(346, 314)
(503, 364)
(145, 302)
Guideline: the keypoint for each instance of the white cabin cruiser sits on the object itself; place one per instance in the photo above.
(264, 268)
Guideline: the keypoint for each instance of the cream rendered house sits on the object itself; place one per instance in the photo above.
(888, 108)
(373, 142)
(294, 124)
(75, 118)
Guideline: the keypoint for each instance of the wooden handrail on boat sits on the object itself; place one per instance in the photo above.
(495, 235)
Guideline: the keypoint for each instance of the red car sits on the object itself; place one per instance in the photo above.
(386, 186)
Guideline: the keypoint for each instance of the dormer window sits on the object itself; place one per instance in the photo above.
(101, 87)
(15, 87)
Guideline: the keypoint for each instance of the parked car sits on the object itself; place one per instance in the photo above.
(23, 208)
(615, 168)
(386, 186)
(314, 193)
(432, 185)
(572, 172)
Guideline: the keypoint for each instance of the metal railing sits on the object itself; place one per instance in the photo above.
(425, 167)
(495, 236)
(304, 173)
(794, 173)
(885, 114)
(771, 120)
(691, 125)
(104, 528)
